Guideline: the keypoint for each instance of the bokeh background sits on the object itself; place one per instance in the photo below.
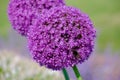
(103, 64)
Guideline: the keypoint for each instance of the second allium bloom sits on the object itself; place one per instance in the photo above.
(23, 12)
(62, 37)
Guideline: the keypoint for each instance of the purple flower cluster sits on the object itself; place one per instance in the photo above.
(58, 36)
(61, 37)
(22, 13)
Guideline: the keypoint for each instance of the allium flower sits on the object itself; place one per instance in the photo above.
(62, 37)
(23, 12)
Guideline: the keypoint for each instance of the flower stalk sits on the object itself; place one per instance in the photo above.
(65, 74)
(77, 74)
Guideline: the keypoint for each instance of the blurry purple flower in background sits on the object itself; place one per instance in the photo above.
(23, 12)
(61, 37)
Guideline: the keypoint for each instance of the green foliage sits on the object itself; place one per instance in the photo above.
(4, 23)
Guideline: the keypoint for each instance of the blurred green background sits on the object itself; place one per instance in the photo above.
(104, 64)
(104, 13)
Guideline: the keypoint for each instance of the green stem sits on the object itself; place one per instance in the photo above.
(75, 69)
(65, 74)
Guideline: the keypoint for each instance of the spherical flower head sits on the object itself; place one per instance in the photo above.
(22, 13)
(62, 37)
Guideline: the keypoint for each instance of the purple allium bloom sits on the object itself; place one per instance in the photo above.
(62, 37)
(23, 12)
